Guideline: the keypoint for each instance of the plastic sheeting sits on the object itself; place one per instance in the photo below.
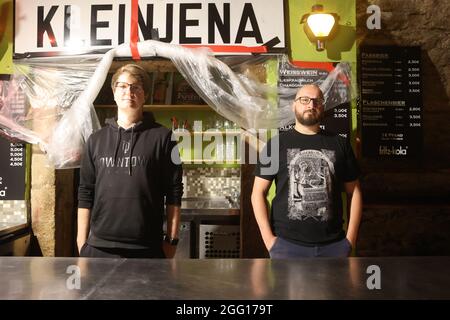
(40, 105)
(59, 113)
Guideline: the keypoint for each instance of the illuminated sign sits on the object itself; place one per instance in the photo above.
(46, 26)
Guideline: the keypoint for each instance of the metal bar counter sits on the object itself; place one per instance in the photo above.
(235, 279)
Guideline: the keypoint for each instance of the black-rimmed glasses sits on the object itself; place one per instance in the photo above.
(124, 86)
(306, 100)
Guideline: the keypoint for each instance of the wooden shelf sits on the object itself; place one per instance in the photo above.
(179, 107)
(166, 107)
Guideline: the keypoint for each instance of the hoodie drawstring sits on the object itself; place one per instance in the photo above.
(131, 151)
(117, 146)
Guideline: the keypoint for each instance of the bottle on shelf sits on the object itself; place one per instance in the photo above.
(159, 88)
(174, 123)
(183, 93)
(220, 152)
(186, 125)
(229, 148)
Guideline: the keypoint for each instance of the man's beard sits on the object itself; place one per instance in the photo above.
(311, 119)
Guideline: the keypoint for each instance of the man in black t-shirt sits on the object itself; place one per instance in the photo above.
(314, 167)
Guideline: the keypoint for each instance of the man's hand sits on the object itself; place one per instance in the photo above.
(352, 242)
(169, 250)
(83, 227)
(269, 244)
(80, 244)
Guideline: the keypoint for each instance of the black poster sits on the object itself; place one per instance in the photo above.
(391, 101)
(12, 155)
(12, 170)
(337, 119)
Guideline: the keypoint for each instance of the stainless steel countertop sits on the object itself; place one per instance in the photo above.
(8, 228)
(6, 225)
(236, 279)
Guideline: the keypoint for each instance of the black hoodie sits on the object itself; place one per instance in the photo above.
(124, 177)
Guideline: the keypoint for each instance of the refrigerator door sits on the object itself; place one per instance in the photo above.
(219, 241)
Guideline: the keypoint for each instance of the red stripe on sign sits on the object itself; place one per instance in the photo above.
(328, 66)
(134, 33)
(217, 48)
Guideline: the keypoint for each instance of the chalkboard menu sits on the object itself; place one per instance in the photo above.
(12, 170)
(337, 119)
(391, 101)
(12, 155)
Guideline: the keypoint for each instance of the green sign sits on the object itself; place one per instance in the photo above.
(6, 32)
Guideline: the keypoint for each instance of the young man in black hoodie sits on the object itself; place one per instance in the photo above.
(129, 167)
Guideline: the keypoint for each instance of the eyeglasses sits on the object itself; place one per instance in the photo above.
(123, 86)
(306, 100)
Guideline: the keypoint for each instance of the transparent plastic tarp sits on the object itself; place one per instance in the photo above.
(50, 101)
(40, 105)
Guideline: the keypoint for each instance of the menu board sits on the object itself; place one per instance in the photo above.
(12, 170)
(391, 101)
(12, 155)
(337, 119)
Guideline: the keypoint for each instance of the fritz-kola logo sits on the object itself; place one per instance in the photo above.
(390, 151)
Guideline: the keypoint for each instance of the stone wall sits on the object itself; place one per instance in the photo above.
(404, 230)
(407, 202)
(53, 215)
(43, 200)
(423, 23)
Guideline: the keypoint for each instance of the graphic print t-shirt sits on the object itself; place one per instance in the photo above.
(307, 208)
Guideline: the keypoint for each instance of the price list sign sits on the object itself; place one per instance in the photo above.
(391, 101)
(337, 119)
(12, 170)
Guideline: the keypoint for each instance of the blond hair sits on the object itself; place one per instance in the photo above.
(137, 72)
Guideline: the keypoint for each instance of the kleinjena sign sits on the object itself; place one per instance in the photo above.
(75, 26)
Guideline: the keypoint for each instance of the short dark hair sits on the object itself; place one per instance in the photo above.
(136, 71)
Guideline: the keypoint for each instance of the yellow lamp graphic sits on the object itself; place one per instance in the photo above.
(319, 26)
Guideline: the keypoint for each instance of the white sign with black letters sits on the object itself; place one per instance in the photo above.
(74, 26)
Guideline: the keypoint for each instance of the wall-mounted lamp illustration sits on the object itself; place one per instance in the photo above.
(320, 25)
